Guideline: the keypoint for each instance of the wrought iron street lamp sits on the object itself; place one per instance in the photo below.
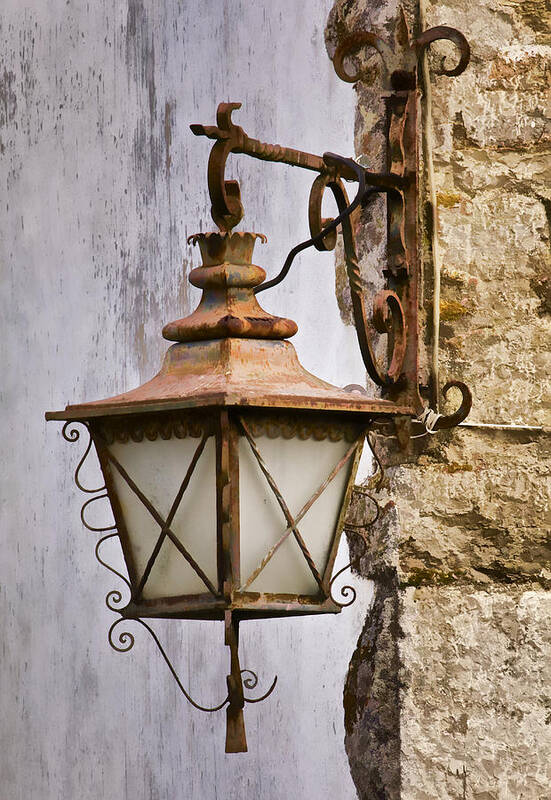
(230, 472)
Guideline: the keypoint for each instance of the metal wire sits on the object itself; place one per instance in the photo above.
(361, 195)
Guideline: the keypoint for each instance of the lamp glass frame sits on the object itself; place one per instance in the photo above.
(230, 427)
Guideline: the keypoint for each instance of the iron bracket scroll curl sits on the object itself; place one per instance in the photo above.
(400, 76)
(399, 67)
(125, 640)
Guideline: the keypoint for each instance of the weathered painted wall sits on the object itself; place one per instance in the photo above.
(101, 184)
(448, 695)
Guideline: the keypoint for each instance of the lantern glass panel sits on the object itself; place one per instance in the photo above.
(158, 468)
(299, 467)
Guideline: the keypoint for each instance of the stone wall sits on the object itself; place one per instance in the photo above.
(449, 691)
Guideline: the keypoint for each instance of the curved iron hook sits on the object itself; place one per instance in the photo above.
(398, 71)
(451, 420)
(227, 208)
(444, 32)
(352, 44)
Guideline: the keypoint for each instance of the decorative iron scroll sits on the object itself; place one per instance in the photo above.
(126, 642)
(358, 528)
(398, 68)
(388, 315)
(73, 435)
(114, 598)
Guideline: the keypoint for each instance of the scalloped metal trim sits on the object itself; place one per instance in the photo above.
(196, 237)
(178, 426)
(288, 426)
(182, 426)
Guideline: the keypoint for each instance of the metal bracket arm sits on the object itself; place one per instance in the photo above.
(395, 308)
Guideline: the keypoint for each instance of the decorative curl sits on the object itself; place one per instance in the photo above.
(388, 314)
(352, 44)
(114, 596)
(73, 436)
(83, 517)
(389, 318)
(352, 527)
(376, 479)
(451, 420)
(444, 32)
(125, 638)
(126, 642)
(208, 709)
(251, 683)
(398, 70)
(345, 591)
(108, 566)
(348, 591)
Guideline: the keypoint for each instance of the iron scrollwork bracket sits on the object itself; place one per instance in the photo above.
(394, 309)
(399, 75)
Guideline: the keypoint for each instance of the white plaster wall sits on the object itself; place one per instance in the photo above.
(101, 184)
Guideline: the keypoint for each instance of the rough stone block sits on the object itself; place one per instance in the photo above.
(475, 697)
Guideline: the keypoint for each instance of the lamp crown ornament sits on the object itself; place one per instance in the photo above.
(230, 472)
(228, 307)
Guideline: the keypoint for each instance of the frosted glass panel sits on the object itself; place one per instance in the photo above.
(158, 468)
(298, 467)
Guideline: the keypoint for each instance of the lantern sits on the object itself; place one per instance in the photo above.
(229, 473)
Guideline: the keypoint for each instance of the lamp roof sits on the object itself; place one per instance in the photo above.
(230, 352)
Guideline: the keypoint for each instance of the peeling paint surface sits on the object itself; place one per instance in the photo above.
(101, 183)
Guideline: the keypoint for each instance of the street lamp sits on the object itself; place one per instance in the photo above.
(229, 474)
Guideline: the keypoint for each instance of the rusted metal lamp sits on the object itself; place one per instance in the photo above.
(229, 473)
